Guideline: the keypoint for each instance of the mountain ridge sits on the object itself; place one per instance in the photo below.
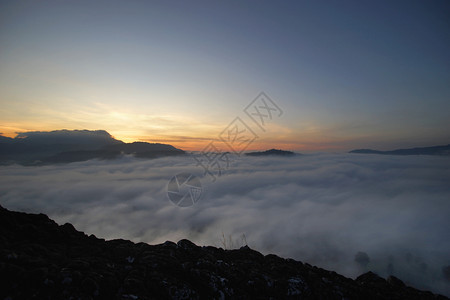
(275, 152)
(433, 150)
(41, 259)
(65, 146)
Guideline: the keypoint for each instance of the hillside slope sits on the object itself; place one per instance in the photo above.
(41, 260)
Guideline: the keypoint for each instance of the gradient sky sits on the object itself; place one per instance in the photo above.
(347, 74)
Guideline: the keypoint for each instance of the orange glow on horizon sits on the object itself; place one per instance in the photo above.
(200, 145)
(287, 142)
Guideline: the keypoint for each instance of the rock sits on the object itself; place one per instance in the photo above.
(187, 245)
(41, 260)
(89, 286)
(394, 281)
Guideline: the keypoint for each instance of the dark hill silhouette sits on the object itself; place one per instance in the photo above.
(41, 260)
(137, 149)
(271, 152)
(64, 146)
(435, 150)
(141, 147)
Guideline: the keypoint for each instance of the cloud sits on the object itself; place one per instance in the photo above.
(322, 209)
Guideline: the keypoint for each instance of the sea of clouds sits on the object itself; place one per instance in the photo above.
(318, 208)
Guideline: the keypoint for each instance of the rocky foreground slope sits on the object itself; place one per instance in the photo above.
(41, 260)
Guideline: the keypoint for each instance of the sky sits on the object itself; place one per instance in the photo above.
(346, 74)
(319, 208)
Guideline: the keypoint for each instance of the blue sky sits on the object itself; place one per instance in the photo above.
(346, 74)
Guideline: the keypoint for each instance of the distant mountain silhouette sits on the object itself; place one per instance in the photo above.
(64, 146)
(435, 150)
(271, 152)
(141, 147)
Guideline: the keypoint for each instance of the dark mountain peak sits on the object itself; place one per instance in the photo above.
(42, 260)
(5, 139)
(434, 150)
(64, 146)
(271, 152)
(65, 136)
